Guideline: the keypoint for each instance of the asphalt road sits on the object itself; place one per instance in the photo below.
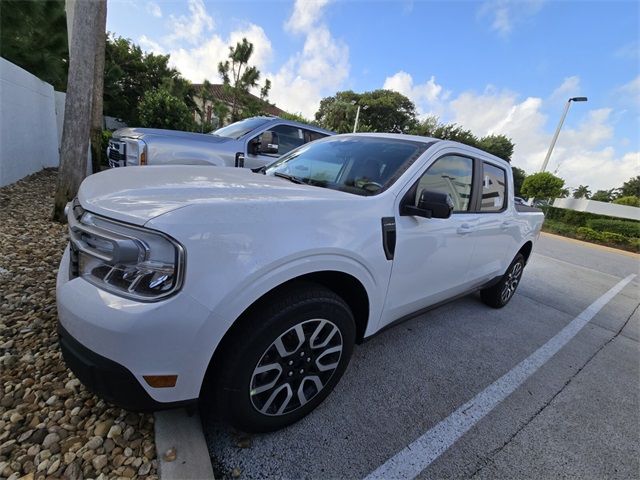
(576, 416)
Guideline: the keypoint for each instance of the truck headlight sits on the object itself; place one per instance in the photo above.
(130, 261)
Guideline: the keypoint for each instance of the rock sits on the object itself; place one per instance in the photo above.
(129, 472)
(144, 469)
(7, 447)
(149, 451)
(108, 445)
(50, 439)
(24, 436)
(170, 455)
(38, 435)
(114, 431)
(99, 462)
(53, 467)
(128, 452)
(236, 472)
(102, 428)
(94, 443)
(16, 417)
(73, 471)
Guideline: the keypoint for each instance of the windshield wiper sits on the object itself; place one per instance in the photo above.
(291, 178)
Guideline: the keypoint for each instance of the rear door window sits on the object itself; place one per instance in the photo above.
(494, 188)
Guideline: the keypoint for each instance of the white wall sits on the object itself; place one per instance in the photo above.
(30, 130)
(601, 208)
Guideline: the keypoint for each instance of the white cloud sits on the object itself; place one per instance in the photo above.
(319, 69)
(154, 9)
(582, 155)
(191, 28)
(201, 62)
(426, 96)
(570, 87)
(629, 51)
(506, 14)
(631, 91)
(305, 15)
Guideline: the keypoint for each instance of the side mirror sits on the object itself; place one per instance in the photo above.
(431, 205)
(268, 142)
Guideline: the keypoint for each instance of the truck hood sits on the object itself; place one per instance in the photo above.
(138, 194)
(143, 132)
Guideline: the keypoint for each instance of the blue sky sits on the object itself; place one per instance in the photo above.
(497, 66)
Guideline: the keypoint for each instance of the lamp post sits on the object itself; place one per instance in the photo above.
(355, 124)
(555, 135)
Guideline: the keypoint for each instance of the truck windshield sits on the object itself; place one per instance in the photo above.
(238, 129)
(359, 165)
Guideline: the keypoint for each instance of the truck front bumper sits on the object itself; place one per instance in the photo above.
(112, 343)
(108, 379)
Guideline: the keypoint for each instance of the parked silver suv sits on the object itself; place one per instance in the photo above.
(252, 143)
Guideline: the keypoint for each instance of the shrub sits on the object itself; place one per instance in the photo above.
(611, 237)
(627, 228)
(630, 200)
(161, 109)
(587, 233)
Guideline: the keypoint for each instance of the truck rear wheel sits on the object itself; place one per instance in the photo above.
(502, 292)
(285, 359)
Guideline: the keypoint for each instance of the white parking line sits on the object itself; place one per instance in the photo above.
(418, 455)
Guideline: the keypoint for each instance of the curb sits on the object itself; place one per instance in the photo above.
(177, 431)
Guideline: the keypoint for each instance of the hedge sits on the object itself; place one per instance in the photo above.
(622, 227)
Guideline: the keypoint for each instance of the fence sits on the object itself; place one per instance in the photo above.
(31, 117)
(601, 208)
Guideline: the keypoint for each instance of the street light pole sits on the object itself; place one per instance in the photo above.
(355, 125)
(555, 135)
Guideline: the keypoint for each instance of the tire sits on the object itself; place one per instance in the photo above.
(284, 359)
(502, 292)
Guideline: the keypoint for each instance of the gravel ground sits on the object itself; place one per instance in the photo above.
(50, 425)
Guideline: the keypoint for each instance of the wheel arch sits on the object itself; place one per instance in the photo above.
(525, 250)
(343, 284)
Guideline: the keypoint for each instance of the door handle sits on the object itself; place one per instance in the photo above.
(464, 229)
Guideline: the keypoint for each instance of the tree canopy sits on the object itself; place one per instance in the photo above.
(33, 35)
(239, 77)
(631, 187)
(384, 110)
(160, 109)
(542, 185)
(518, 178)
(582, 192)
(130, 73)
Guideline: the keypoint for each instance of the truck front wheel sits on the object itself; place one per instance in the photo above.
(499, 294)
(285, 359)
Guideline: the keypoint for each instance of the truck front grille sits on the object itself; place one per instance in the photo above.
(117, 154)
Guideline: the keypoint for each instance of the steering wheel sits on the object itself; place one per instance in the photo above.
(371, 186)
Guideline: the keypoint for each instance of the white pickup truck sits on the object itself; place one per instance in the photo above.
(248, 290)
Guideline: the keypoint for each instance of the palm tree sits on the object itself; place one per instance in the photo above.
(78, 102)
(582, 192)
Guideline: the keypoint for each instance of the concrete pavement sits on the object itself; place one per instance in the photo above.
(406, 380)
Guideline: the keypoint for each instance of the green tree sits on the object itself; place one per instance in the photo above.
(384, 110)
(630, 200)
(160, 109)
(239, 77)
(631, 187)
(542, 185)
(498, 145)
(582, 192)
(33, 35)
(518, 177)
(604, 195)
(129, 73)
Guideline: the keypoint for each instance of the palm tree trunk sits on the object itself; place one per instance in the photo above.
(77, 114)
(98, 86)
